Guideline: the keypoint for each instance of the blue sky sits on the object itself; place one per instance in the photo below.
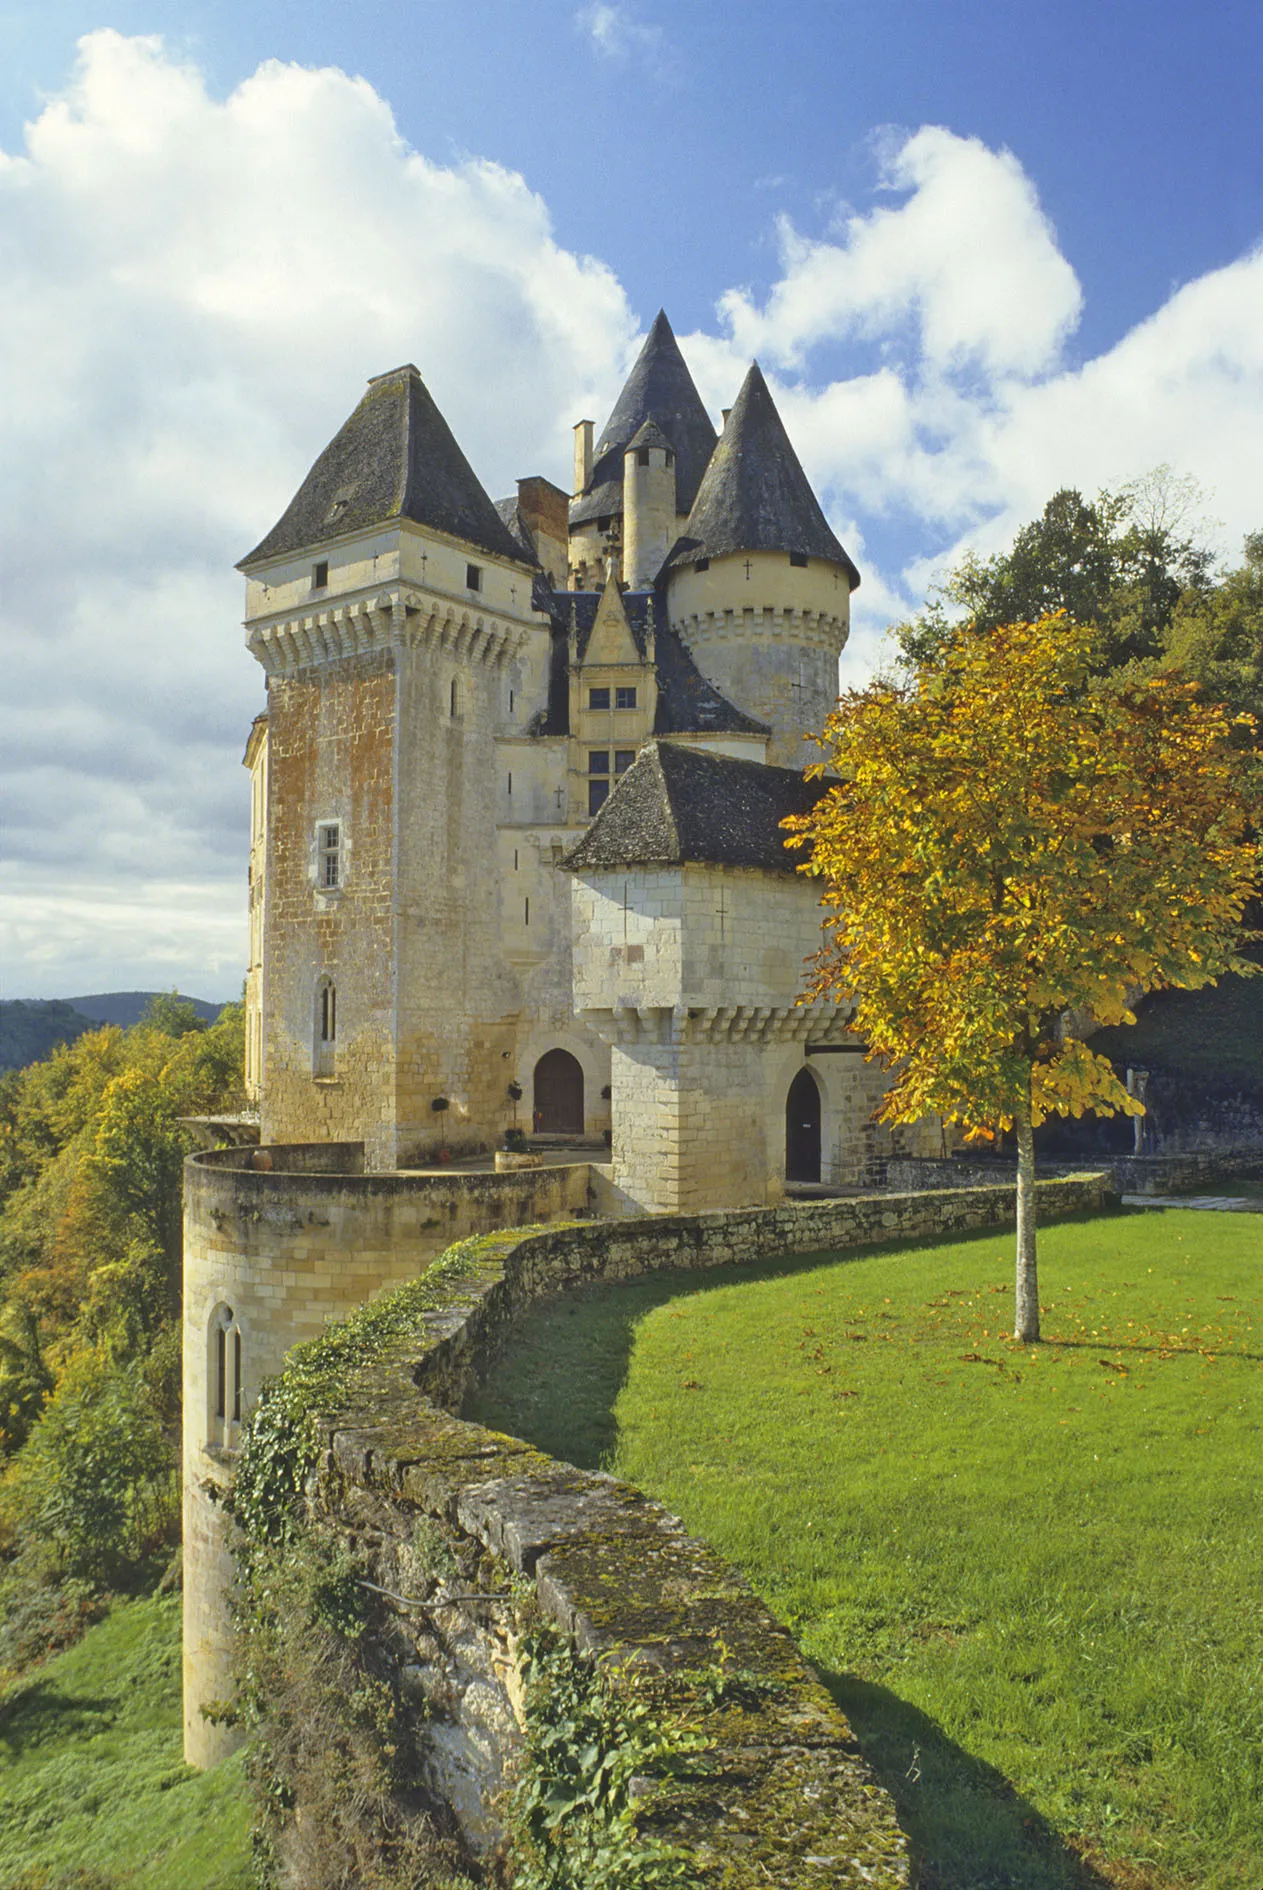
(981, 251)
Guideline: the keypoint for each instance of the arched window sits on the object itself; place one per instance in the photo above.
(802, 1128)
(325, 1031)
(224, 1378)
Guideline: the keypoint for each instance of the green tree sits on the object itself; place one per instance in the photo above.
(1014, 840)
(1216, 635)
(1122, 561)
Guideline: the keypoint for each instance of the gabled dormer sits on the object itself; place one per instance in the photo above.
(613, 701)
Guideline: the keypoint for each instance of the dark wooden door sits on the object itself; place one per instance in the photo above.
(802, 1129)
(558, 1094)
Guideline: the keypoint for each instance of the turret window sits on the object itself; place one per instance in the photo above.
(642, 455)
(701, 564)
(473, 577)
(624, 698)
(225, 1374)
(799, 558)
(325, 1031)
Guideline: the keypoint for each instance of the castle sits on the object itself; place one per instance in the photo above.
(516, 861)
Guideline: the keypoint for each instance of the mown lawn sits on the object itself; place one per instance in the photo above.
(1031, 1576)
(93, 1790)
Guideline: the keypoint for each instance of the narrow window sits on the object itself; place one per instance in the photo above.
(799, 558)
(642, 455)
(527, 910)
(670, 459)
(329, 847)
(473, 577)
(236, 1375)
(598, 761)
(598, 698)
(320, 575)
(453, 699)
(324, 1049)
(510, 781)
(515, 859)
(221, 1372)
(623, 758)
(510, 702)
(224, 1393)
(597, 793)
(624, 698)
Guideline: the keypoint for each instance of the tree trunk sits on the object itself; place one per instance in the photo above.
(1026, 1291)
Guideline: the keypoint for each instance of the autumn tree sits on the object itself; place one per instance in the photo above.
(1016, 844)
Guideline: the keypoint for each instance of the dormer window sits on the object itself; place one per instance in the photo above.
(798, 558)
(473, 577)
(329, 855)
(320, 575)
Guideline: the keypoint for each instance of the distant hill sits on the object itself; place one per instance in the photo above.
(128, 1007)
(31, 1027)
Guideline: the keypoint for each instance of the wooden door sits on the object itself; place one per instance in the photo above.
(558, 1094)
(802, 1129)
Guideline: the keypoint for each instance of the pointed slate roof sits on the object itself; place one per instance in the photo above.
(396, 458)
(659, 388)
(755, 495)
(679, 806)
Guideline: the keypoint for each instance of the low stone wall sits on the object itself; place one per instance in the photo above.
(1131, 1174)
(451, 1520)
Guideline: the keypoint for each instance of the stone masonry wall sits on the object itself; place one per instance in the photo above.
(781, 1795)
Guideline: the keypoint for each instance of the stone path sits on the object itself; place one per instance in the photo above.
(1213, 1203)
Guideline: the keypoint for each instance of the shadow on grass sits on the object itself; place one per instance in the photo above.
(36, 1713)
(968, 1829)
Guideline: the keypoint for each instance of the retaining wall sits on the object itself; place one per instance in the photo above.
(780, 1794)
(1132, 1174)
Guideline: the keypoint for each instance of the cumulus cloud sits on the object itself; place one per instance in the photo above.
(195, 291)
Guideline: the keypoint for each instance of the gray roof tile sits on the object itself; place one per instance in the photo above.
(395, 458)
(755, 495)
(679, 806)
(659, 388)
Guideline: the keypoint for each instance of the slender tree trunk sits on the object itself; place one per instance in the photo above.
(1026, 1291)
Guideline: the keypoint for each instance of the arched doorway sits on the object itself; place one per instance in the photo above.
(558, 1094)
(802, 1128)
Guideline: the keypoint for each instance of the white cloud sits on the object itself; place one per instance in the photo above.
(969, 259)
(195, 291)
(615, 33)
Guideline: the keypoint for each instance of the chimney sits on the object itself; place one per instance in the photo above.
(582, 456)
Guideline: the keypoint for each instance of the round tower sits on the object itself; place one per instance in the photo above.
(649, 518)
(759, 586)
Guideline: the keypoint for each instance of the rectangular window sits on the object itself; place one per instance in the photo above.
(221, 1372)
(236, 1376)
(598, 698)
(597, 793)
(598, 761)
(799, 558)
(623, 758)
(320, 575)
(473, 577)
(328, 1014)
(642, 455)
(453, 698)
(526, 911)
(329, 846)
(510, 783)
(624, 698)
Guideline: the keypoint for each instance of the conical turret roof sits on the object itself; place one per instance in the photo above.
(396, 458)
(755, 495)
(659, 388)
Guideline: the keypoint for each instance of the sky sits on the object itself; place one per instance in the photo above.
(981, 252)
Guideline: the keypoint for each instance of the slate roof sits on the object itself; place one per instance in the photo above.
(511, 518)
(659, 388)
(755, 495)
(395, 458)
(688, 704)
(680, 806)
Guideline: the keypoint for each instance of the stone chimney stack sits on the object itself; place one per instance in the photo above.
(582, 456)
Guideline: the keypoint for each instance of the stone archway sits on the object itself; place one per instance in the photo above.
(558, 1101)
(802, 1128)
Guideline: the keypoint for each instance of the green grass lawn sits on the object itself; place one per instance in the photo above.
(93, 1790)
(1031, 1576)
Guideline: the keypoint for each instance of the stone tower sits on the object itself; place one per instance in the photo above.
(392, 611)
(758, 586)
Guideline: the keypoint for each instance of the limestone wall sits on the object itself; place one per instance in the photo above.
(284, 1251)
(782, 1795)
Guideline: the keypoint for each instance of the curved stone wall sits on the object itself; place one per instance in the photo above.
(780, 1793)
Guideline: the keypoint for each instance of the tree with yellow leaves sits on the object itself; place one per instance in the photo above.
(1014, 847)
